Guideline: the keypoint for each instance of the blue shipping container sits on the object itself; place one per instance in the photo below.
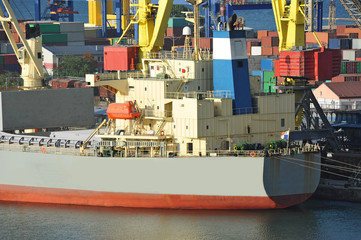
(267, 64)
(341, 43)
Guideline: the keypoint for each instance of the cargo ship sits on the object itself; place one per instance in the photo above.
(171, 142)
(187, 131)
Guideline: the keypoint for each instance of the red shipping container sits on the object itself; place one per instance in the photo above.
(358, 59)
(275, 50)
(174, 32)
(342, 36)
(272, 34)
(16, 37)
(204, 43)
(323, 66)
(80, 84)
(266, 51)
(350, 67)
(297, 63)
(262, 33)
(270, 41)
(347, 78)
(340, 29)
(10, 59)
(118, 58)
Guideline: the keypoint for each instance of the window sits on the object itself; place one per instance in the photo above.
(187, 127)
(190, 148)
(282, 122)
(207, 127)
(202, 69)
(145, 89)
(39, 55)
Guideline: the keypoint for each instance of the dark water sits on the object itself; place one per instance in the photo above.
(314, 219)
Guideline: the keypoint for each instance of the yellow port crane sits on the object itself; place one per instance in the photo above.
(30, 55)
(290, 22)
(152, 20)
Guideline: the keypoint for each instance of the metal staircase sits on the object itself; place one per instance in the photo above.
(353, 7)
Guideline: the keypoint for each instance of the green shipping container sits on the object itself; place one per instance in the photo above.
(49, 28)
(343, 67)
(54, 38)
(269, 81)
(358, 67)
(1, 60)
(177, 22)
(122, 42)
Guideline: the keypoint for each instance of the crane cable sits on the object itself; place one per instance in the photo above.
(18, 10)
(336, 161)
(323, 164)
(22, 2)
(314, 168)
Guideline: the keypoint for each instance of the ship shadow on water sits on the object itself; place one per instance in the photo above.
(84, 222)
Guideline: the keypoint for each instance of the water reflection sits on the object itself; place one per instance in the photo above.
(313, 220)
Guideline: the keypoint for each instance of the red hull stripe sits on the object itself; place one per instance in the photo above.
(140, 200)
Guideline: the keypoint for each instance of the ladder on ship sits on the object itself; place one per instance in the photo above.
(353, 7)
(83, 146)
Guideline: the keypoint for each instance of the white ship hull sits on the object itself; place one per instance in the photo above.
(178, 183)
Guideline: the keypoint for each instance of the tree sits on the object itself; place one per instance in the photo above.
(12, 79)
(178, 9)
(76, 66)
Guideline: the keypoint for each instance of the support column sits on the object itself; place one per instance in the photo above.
(37, 10)
(71, 6)
(118, 12)
(104, 17)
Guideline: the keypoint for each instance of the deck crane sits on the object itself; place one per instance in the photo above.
(30, 55)
(290, 21)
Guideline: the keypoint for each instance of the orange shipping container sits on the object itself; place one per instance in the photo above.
(262, 33)
(323, 36)
(267, 51)
(352, 29)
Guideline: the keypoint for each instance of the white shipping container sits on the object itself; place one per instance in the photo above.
(76, 36)
(356, 43)
(349, 55)
(256, 50)
(66, 27)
